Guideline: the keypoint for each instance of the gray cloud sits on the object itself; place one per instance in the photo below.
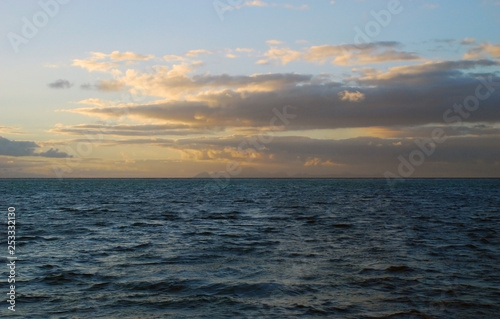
(86, 86)
(104, 85)
(54, 153)
(361, 150)
(60, 84)
(363, 156)
(415, 95)
(14, 148)
(134, 130)
(475, 129)
(425, 74)
(26, 148)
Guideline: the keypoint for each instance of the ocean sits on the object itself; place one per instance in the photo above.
(254, 248)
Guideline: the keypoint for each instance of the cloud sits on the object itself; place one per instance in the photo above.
(109, 86)
(205, 117)
(405, 95)
(230, 53)
(86, 86)
(105, 86)
(284, 55)
(60, 84)
(424, 131)
(129, 56)
(194, 53)
(422, 74)
(355, 96)
(468, 41)
(244, 50)
(53, 153)
(13, 148)
(96, 102)
(103, 62)
(132, 130)
(274, 42)
(92, 65)
(354, 157)
(25, 148)
(484, 50)
(255, 3)
(11, 130)
(361, 156)
(173, 57)
(347, 54)
(177, 82)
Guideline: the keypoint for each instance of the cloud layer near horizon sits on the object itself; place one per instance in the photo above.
(270, 121)
(418, 94)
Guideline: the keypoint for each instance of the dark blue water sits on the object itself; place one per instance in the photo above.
(254, 249)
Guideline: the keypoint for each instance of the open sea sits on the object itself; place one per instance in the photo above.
(254, 248)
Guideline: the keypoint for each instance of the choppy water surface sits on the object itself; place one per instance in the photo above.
(255, 249)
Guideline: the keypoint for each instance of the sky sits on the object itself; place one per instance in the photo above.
(261, 88)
